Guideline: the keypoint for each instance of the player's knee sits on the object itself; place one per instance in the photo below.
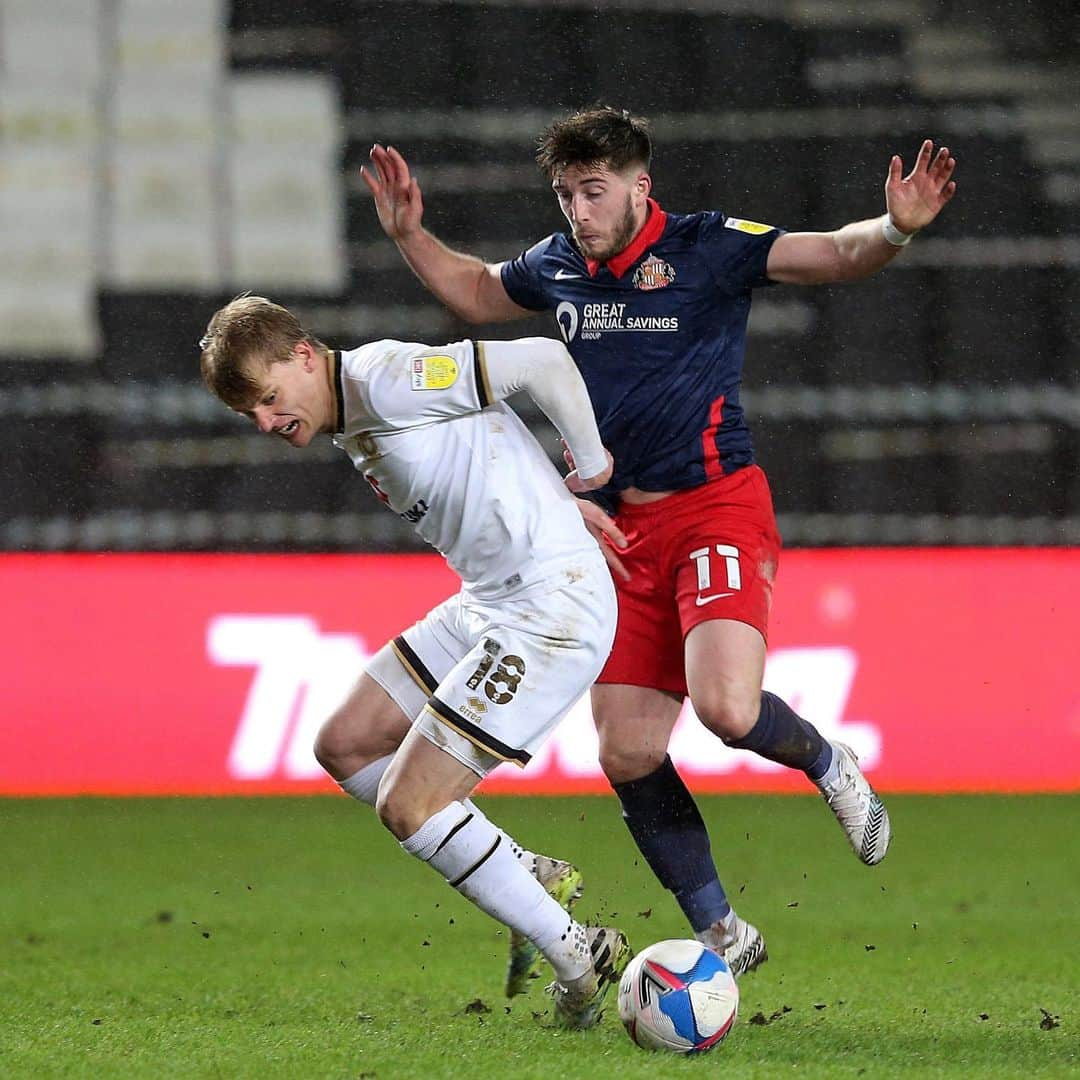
(386, 804)
(622, 763)
(728, 716)
(397, 811)
(335, 745)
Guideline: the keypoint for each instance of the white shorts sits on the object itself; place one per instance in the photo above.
(488, 682)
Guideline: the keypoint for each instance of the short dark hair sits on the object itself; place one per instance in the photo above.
(599, 135)
(248, 331)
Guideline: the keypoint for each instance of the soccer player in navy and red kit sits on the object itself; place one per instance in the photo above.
(653, 307)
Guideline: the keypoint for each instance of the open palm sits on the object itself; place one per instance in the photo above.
(395, 190)
(916, 199)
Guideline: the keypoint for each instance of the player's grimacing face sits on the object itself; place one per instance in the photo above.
(605, 209)
(291, 402)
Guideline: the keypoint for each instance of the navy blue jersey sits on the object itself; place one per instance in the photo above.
(659, 334)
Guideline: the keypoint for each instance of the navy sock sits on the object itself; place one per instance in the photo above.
(666, 825)
(781, 735)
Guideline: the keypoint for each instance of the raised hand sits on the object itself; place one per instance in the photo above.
(395, 190)
(916, 199)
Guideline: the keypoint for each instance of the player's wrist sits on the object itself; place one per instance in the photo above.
(893, 235)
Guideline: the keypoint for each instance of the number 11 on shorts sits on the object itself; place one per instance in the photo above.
(703, 560)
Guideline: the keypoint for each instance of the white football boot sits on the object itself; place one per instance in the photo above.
(862, 815)
(740, 944)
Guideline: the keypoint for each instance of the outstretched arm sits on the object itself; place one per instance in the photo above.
(471, 288)
(546, 372)
(861, 248)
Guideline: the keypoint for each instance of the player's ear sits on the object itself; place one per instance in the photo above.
(643, 184)
(305, 354)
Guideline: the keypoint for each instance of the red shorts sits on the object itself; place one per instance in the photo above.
(709, 552)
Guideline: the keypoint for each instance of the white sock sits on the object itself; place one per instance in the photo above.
(363, 785)
(475, 858)
(524, 856)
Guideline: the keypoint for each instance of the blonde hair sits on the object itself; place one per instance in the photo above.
(246, 332)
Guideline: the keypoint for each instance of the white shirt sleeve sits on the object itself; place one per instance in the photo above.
(547, 373)
(409, 385)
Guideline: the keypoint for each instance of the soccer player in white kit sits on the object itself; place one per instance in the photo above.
(486, 676)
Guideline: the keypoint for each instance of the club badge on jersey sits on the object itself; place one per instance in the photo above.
(653, 273)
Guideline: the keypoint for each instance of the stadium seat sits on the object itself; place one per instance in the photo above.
(995, 326)
(790, 453)
(881, 330)
(882, 485)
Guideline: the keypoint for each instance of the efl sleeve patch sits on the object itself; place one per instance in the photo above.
(755, 228)
(433, 372)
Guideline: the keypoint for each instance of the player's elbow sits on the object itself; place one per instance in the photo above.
(487, 301)
(552, 365)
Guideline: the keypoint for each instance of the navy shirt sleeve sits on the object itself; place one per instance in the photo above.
(522, 278)
(737, 251)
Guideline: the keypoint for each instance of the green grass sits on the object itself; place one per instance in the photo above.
(292, 938)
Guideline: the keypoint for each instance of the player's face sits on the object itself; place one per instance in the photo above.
(294, 401)
(605, 209)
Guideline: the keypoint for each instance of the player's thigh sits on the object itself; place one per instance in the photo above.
(410, 666)
(648, 643)
(723, 559)
(366, 726)
(375, 717)
(530, 662)
(725, 664)
(634, 725)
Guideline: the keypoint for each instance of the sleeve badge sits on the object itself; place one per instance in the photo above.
(433, 372)
(754, 228)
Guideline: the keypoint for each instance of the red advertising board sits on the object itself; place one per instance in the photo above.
(946, 670)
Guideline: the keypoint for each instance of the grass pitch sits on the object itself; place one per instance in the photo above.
(292, 938)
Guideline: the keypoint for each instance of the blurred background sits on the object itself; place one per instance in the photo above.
(158, 158)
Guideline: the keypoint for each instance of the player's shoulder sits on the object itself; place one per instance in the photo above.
(551, 252)
(715, 226)
(388, 352)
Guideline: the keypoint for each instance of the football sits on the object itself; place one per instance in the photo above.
(678, 996)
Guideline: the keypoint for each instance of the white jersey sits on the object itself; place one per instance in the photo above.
(423, 427)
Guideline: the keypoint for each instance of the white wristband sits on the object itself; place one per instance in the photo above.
(893, 234)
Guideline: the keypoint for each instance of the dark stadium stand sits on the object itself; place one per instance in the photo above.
(943, 389)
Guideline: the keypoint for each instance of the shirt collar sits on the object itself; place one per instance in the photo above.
(649, 233)
(339, 392)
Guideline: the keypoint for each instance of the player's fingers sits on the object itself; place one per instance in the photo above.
(379, 162)
(941, 159)
(895, 165)
(370, 181)
(921, 161)
(618, 567)
(611, 530)
(400, 167)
